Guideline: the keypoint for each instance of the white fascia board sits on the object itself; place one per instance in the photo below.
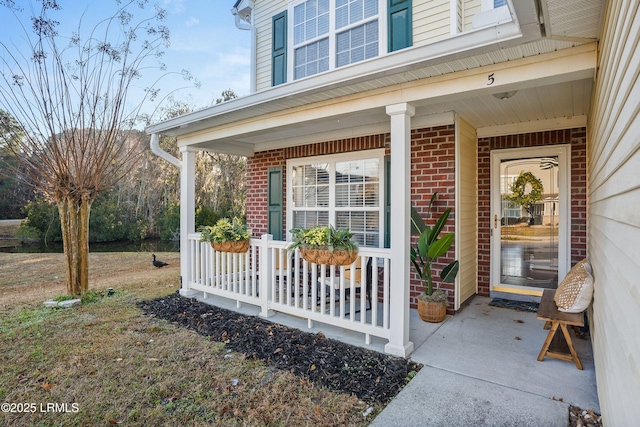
(457, 46)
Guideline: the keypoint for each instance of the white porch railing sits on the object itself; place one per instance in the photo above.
(356, 297)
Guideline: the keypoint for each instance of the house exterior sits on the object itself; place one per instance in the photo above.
(361, 109)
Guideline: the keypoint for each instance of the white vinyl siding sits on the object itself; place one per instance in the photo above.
(263, 14)
(470, 8)
(614, 222)
(431, 21)
(466, 211)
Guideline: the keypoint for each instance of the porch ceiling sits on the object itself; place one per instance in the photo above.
(541, 105)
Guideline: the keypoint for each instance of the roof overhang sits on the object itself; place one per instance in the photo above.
(439, 78)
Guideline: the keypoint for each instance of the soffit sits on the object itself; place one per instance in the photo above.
(533, 105)
(507, 54)
(573, 19)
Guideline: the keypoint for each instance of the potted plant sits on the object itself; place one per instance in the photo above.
(325, 245)
(226, 235)
(432, 303)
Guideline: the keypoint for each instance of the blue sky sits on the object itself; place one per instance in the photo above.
(204, 41)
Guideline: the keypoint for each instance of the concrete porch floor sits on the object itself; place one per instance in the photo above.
(480, 368)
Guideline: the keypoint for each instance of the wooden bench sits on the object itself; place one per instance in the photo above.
(556, 345)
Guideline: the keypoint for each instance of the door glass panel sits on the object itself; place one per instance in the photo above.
(529, 222)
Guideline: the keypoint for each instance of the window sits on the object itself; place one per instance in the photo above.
(329, 34)
(333, 33)
(344, 190)
(493, 4)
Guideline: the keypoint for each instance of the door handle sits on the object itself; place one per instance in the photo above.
(495, 221)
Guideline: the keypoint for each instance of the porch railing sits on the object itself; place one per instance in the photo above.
(275, 279)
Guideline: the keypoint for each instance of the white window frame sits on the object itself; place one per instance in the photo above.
(331, 160)
(332, 34)
(489, 5)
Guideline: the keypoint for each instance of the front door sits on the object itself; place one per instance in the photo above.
(529, 219)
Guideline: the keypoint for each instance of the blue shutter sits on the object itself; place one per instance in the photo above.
(274, 202)
(279, 49)
(400, 24)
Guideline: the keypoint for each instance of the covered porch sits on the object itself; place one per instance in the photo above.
(479, 364)
(441, 120)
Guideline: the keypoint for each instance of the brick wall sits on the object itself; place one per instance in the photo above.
(432, 169)
(577, 139)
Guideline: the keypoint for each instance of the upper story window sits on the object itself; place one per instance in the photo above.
(493, 4)
(333, 33)
(314, 36)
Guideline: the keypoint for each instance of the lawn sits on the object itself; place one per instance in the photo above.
(105, 363)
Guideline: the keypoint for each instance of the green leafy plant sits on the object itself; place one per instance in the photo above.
(429, 247)
(323, 237)
(225, 231)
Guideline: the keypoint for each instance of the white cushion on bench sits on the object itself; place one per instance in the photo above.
(576, 289)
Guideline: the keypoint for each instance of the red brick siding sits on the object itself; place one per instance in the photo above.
(577, 139)
(258, 165)
(432, 169)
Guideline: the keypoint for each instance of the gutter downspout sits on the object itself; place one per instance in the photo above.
(155, 149)
(244, 23)
(184, 223)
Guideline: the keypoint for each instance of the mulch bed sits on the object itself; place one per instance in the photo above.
(369, 375)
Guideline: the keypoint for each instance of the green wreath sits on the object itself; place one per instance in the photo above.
(518, 189)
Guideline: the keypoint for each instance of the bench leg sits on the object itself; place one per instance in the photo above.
(574, 354)
(547, 342)
(573, 357)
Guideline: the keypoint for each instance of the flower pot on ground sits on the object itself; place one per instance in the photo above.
(325, 245)
(429, 247)
(433, 308)
(227, 235)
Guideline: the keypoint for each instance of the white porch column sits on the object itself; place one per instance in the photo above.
(400, 229)
(187, 215)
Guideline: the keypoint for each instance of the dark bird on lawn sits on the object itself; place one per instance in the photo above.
(158, 263)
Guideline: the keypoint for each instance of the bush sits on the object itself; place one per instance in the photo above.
(168, 222)
(42, 221)
(111, 221)
(205, 215)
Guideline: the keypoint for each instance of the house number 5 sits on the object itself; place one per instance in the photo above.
(490, 79)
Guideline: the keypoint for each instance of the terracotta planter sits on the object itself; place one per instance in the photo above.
(432, 312)
(241, 246)
(323, 256)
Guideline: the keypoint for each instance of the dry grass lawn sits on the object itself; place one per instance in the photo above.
(104, 363)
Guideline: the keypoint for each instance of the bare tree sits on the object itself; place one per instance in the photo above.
(70, 96)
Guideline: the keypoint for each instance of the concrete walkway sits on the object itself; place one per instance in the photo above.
(480, 369)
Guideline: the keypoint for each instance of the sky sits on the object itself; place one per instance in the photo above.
(204, 41)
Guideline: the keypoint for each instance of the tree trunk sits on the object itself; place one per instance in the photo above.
(74, 219)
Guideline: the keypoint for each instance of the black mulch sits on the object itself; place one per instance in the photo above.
(369, 375)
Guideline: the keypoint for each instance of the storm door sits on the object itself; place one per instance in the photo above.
(529, 219)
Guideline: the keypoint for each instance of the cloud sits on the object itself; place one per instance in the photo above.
(192, 21)
(174, 6)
